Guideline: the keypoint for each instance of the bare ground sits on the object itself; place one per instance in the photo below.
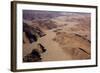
(69, 41)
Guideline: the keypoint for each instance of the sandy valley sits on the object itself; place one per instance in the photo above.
(64, 35)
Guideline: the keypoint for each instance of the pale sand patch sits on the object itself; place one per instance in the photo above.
(54, 51)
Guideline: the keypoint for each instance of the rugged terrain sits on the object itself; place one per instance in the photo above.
(67, 34)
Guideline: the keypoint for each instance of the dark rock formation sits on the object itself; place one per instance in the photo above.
(35, 55)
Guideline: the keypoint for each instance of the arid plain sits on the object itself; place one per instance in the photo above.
(67, 34)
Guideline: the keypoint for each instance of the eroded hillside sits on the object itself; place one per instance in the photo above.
(64, 35)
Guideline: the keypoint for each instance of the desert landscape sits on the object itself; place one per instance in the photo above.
(56, 36)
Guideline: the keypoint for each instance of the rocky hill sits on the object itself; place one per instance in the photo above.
(67, 34)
